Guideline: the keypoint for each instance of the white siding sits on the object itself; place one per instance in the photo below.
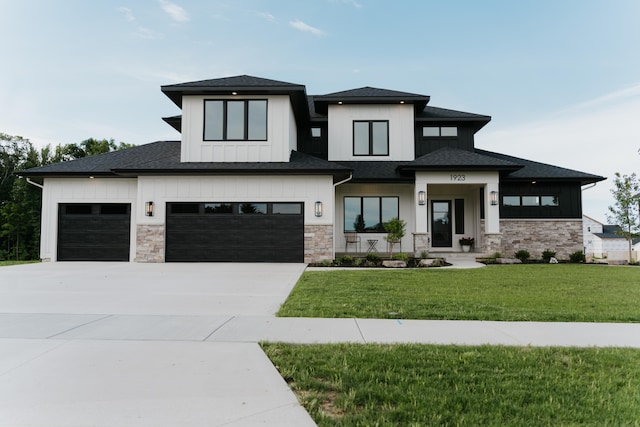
(81, 190)
(401, 130)
(281, 134)
(162, 190)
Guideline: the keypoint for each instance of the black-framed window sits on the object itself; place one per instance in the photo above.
(368, 214)
(235, 120)
(439, 131)
(531, 200)
(370, 137)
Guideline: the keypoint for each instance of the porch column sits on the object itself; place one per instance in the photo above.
(420, 233)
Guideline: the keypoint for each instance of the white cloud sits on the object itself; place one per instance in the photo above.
(267, 16)
(147, 33)
(301, 26)
(128, 13)
(174, 11)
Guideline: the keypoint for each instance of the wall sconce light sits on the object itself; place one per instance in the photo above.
(494, 198)
(422, 197)
(318, 209)
(148, 209)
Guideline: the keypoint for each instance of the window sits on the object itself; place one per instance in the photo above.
(287, 209)
(368, 214)
(218, 208)
(370, 138)
(436, 131)
(253, 208)
(316, 132)
(528, 201)
(243, 120)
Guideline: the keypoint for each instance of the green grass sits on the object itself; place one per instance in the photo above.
(565, 292)
(421, 385)
(8, 263)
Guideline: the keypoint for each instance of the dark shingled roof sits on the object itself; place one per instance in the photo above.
(454, 158)
(369, 95)
(377, 171)
(163, 157)
(541, 171)
(440, 115)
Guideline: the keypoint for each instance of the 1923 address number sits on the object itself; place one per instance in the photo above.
(458, 177)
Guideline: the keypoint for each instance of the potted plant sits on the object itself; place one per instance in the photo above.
(466, 243)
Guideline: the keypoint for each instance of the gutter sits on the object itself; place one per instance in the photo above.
(35, 184)
(344, 180)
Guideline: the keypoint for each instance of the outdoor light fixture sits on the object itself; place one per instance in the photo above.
(494, 198)
(318, 208)
(422, 197)
(148, 208)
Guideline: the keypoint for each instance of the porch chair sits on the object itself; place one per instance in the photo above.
(396, 243)
(352, 238)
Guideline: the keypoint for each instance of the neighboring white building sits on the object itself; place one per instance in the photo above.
(601, 241)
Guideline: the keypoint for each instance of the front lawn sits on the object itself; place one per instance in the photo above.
(558, 292)
(422, 385)
(8, 263)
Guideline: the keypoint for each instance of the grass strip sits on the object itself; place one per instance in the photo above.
(419, 385)
(565, 292)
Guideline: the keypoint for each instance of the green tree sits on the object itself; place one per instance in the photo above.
(626, 209)
(395, 229)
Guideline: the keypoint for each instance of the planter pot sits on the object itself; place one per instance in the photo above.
(466, 248)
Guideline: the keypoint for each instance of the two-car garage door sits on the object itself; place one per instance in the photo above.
(235, 232)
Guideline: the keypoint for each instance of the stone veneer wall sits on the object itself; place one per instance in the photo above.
(318, 243)
(420, 243)
(564, 236)
(149, 243)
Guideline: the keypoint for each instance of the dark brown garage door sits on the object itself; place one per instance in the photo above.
(235, 232)
(94, 232)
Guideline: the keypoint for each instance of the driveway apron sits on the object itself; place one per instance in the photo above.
(125, 344)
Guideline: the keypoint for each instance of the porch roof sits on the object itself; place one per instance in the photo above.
(454, 158)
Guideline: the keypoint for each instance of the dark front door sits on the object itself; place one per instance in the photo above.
(441, 224)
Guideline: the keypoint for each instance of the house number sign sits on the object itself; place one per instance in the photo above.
(458, 177)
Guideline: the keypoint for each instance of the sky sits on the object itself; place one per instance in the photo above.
(560, 78)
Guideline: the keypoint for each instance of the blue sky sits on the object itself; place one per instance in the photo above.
(561, 78)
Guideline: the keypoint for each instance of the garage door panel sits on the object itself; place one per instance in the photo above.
(238, 237)
(94, 232)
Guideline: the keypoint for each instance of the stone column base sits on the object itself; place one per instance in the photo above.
(318, 243)
(149, 243)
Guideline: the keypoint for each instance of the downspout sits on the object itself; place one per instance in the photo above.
(584, 248)
(334, 198)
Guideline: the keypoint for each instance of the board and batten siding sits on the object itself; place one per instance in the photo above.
(281, 133)
(401, 134)
(81, 190)
(250, 189)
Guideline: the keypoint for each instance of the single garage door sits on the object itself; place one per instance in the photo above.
(235, 232)
(94, 232)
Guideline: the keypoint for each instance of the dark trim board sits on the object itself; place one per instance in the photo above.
(194, 234)
(94, 231)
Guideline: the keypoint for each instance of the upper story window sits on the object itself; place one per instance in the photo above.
(437, 131)
(530, 201)
(371, 138)
(231, 120)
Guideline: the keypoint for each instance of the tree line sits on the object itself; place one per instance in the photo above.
(20, 202)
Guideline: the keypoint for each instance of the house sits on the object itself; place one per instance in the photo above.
(265, 172)
(602, 241)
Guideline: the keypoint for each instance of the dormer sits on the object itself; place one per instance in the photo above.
(238, 119)
(370, 123)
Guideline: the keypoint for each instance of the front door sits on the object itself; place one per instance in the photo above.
(441, 224)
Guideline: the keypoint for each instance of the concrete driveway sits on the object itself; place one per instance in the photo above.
(124, 344)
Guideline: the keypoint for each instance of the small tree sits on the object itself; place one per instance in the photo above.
(626, 209)
(395, 229)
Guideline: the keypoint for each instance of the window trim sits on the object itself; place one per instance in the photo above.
(225, 120)
(370, 151)
(380, 219)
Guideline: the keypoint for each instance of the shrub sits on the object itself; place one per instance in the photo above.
(374, 258)
(326, 263)
(345, 260)
(401, 257)
(424, 255)
(547, 255)
(577, 256)
(358, 262)
(497, 255)
(523, 255)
